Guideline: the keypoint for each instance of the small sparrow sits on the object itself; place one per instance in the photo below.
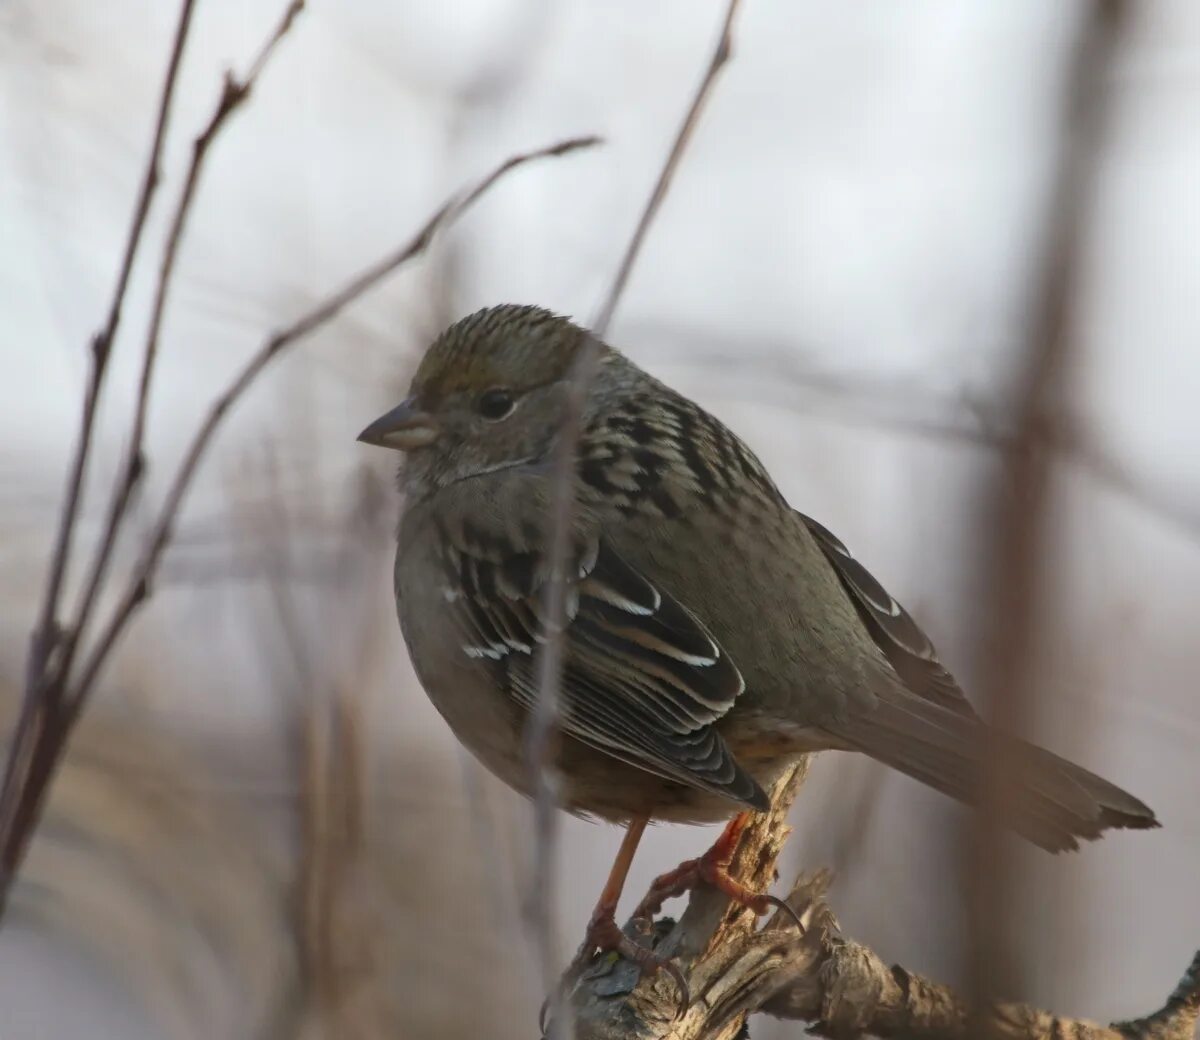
(714, 634)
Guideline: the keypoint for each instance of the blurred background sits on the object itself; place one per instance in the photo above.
(263, 829)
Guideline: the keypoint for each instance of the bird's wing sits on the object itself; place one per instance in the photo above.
(643, 680)
(906, 647)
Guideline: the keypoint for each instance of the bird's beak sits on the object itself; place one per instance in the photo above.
(404, 428)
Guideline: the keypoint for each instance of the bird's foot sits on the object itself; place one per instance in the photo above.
(712, 869)
(604, 935)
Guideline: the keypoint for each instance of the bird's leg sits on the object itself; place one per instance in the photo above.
(602, 931)
(604, 934)
(711, 869)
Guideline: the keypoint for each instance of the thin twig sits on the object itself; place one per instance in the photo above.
(309, 322)
(102, 341)
(233, 93)
(29, 778)
(544, 724)
(281, 30)
(44, 676)
(683, 137)
(38, 746)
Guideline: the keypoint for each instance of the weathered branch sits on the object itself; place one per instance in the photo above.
(839, 987)
(717, 946)
(846, 990)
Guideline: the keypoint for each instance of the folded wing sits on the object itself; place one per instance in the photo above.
(643, 679)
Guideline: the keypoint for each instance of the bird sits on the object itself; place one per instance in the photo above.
(712, 634)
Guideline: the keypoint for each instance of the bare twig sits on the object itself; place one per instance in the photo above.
(544, 724)
(59, 693)
(47, 636)
(1019, 508)
(233, 93)
(52, 697)
(102, 341)
(281, 30)
(683, 137)
(324, 312)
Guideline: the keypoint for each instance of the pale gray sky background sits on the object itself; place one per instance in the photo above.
(845, 253)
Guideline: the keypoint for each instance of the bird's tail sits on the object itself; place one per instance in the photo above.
(1048, 800)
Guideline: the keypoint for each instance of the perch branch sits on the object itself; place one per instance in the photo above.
(714, 943)
(847, 991)
(837, 986)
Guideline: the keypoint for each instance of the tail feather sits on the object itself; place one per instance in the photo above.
(1052, 802)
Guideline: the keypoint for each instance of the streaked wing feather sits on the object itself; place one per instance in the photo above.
(906, 647)
(643, 679)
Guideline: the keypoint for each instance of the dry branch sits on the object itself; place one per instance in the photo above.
(846, 990)
(839, 987)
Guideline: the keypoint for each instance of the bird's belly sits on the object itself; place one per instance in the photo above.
(462, 689)
(481, 717)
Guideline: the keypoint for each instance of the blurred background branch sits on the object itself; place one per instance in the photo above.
(1019, 508)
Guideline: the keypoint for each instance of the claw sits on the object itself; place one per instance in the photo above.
(685, 996)
(712, 869)
(787, 908)
(543, 1011)
(604, 936)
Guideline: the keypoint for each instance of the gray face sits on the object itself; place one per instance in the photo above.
(480, 432)
(489, 394)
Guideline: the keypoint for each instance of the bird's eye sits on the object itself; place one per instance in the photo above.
(496, 404)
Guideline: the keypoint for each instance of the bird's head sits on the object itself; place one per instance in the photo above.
(489, 394)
